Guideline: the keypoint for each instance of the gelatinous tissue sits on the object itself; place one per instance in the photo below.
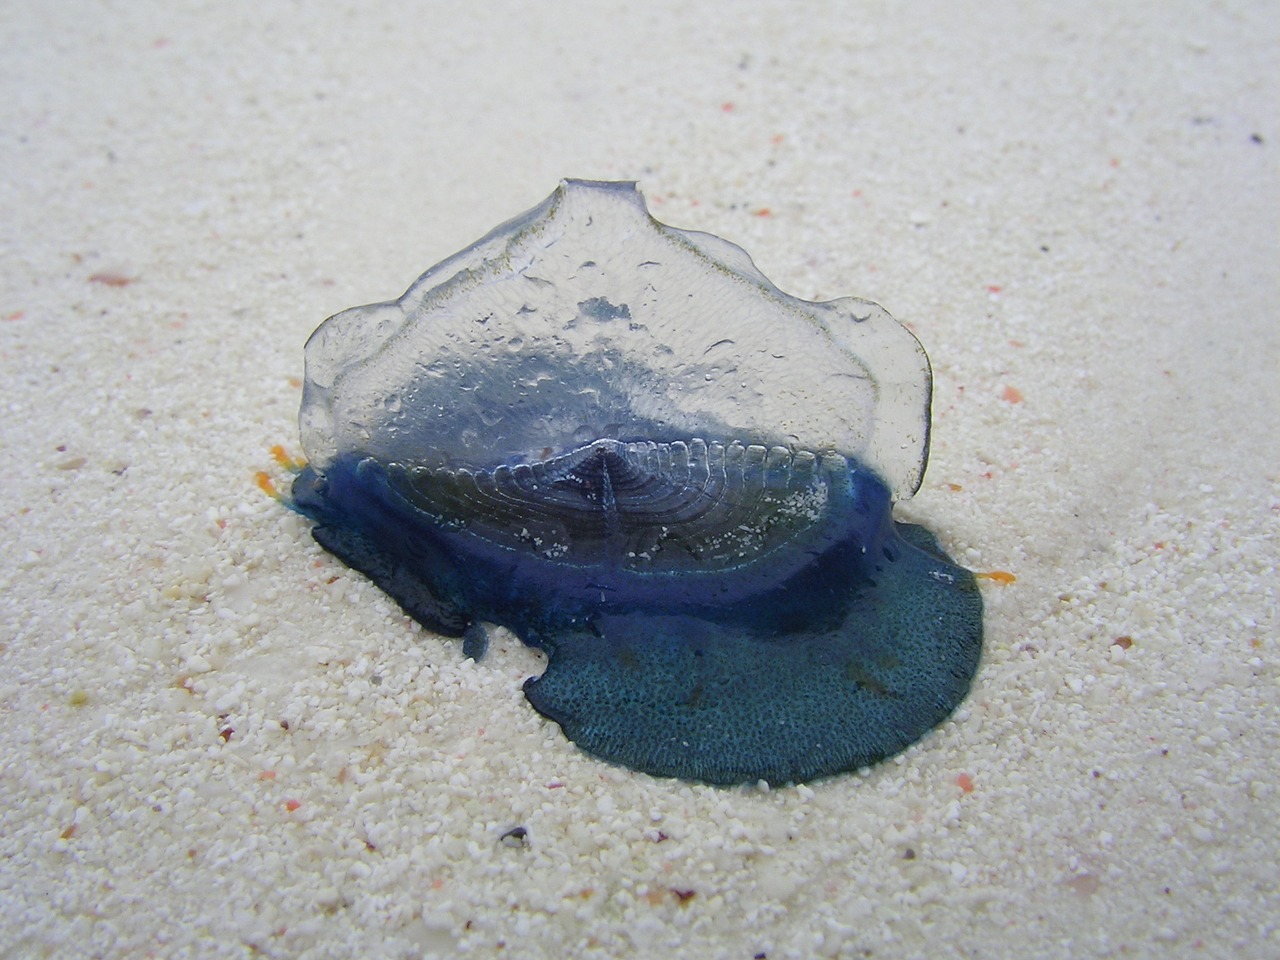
(622, 442)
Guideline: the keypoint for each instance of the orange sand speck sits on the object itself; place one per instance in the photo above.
(1002, 577)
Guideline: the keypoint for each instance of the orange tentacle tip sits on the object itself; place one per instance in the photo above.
(267, 485)
(1002, 577)
(287, 460)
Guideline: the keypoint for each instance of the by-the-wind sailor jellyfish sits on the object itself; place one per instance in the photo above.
(622, 442)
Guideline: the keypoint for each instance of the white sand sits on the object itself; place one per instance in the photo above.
(1075, 202)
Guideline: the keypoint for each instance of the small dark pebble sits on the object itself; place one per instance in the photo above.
(516, 837)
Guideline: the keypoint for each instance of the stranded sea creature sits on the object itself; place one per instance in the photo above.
(622, 442)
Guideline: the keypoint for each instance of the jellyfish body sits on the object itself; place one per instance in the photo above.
(621, 442)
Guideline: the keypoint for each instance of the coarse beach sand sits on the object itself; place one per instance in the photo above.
(217, 741)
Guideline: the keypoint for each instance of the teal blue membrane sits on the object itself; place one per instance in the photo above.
(842, 649)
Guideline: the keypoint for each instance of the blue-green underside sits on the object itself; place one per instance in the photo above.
(843, 646)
